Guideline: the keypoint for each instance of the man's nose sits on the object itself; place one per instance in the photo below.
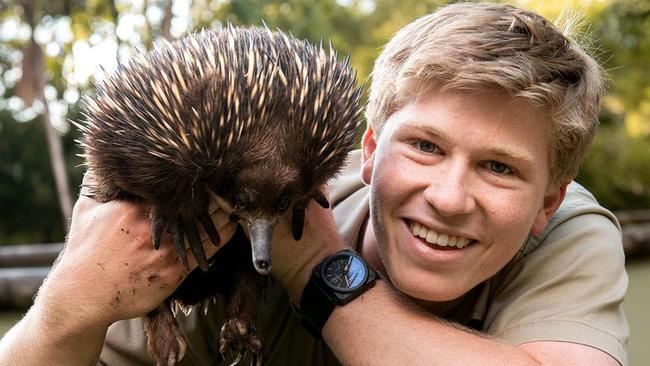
(450, 192)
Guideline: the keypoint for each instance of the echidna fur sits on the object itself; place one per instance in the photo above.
(259, 118)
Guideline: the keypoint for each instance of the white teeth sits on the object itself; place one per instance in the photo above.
(432, 236)
(442, 240)
(421, 231)
(415, 228)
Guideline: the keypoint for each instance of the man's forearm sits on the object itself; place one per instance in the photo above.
(37, 340)
(393, 332)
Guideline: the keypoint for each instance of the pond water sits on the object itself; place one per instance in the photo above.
(636, 307)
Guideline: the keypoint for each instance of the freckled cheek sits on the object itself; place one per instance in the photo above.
(397, 174)
(386, 221)
(505, 232)
(510, 219)
(391, 197)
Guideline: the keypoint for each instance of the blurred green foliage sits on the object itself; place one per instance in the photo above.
(30, 211)
(617, 169)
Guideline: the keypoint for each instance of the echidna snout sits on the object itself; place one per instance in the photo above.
(261, 234)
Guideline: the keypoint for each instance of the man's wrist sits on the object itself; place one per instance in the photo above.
(295, 260)
(296, 285)
(49, 338)
(58, 308)
(337, 280)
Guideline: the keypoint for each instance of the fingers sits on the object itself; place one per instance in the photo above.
(84, 204)
(87, 185)
(86, 196)
(172, 244)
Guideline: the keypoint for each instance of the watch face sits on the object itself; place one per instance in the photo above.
(344, 272)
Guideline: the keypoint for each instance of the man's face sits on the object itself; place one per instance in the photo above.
(458, 181)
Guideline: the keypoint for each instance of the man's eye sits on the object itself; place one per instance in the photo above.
(499, 168)
(426, 146)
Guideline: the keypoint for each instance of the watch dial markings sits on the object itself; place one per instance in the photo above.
(345, 272)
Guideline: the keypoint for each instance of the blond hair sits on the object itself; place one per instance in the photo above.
(481, 46)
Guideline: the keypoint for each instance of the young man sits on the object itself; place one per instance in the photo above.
(461, 199)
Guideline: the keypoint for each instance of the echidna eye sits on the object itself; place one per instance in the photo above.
(283, 204)
(240, 202)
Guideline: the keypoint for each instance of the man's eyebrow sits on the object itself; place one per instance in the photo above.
(414, 125)
(511, 155)
(498, 151)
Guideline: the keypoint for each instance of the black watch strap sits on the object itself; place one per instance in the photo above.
(318, 299)
(315, 306)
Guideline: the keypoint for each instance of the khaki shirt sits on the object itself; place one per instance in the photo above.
(566, 284)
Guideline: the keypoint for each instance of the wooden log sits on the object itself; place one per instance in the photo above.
(636, 240)
(19, 285)
(626, 217)
(29, 255)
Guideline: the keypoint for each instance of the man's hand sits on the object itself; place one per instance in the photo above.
(108, 271)
(109, 266)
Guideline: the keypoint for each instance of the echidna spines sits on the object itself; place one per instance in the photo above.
(257, 117)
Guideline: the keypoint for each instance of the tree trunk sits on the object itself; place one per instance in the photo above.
(57, 160)
(166, 24)
(34, 71)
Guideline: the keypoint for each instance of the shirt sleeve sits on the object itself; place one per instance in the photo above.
(568, 288)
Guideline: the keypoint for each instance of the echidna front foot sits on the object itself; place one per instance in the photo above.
(194, 240)
(298, 221)
(298, 214)
(157, 226)
(206, 221)
(320, 198)
(179, 243)
(165, 343)
(182, 229)
(239, 336)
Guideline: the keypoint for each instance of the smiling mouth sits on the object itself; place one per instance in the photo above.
(442, 240)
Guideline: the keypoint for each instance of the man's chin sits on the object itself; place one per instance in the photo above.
(420, 289)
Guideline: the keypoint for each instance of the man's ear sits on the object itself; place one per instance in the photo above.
(551, 204)
(368, 146)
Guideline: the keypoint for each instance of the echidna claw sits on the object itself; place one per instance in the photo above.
(157, 225)
(210, 229)
(240, 355)
(298, 221)
(179, 245)
(320, 198)
(196, 246)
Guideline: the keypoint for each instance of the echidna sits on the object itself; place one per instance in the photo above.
(257, 117)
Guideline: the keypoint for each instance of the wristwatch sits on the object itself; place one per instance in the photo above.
(336, 281)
